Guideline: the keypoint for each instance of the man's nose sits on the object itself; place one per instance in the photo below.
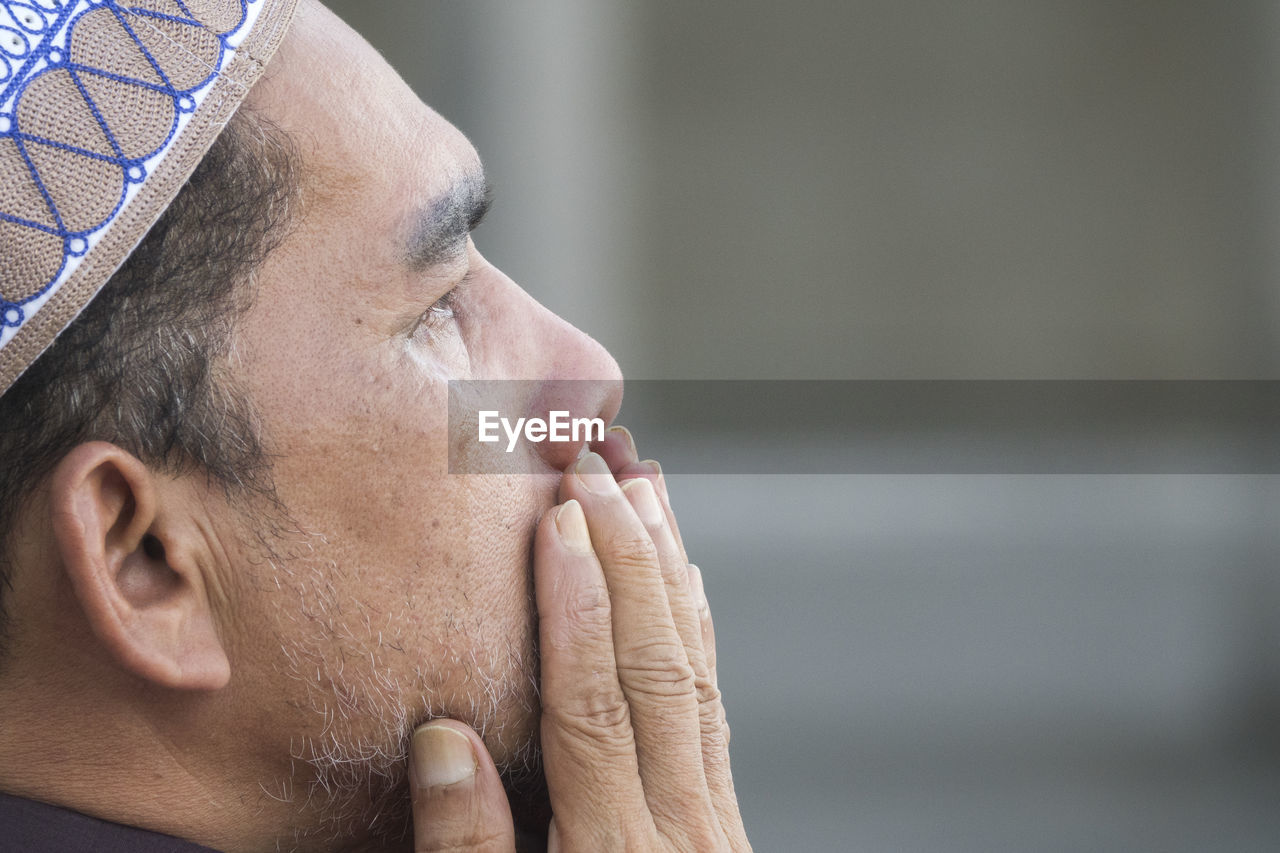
(565, 370)
(587, 406)
(581, 381)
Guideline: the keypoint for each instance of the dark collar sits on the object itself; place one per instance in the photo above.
(27, 826)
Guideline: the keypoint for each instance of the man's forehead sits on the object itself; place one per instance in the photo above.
(353, 117)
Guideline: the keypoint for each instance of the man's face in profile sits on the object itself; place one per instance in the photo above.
(404, 591)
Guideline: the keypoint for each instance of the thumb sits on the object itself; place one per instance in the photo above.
(458, 800)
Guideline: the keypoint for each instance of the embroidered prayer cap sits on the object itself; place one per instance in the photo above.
(106, 108)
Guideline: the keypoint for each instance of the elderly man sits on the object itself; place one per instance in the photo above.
(245, 604)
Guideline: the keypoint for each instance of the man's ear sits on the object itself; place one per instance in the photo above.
(134, 569)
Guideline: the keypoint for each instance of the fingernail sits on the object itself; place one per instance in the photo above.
(442, 756)
(659, 482)
(572, 525)
(627, 437)
(695, 585)
(595, 475)
(644, 500)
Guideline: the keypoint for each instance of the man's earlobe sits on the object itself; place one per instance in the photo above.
(133, 569)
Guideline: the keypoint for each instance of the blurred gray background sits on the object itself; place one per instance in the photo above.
(909, 189)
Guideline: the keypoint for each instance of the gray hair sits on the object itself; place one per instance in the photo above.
(141, 367)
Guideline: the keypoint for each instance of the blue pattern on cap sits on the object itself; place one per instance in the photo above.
(35, 38)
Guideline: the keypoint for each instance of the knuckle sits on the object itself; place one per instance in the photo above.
(588, 609)
(589, 604)
(600, 721)
(697, 832)
(635, 553)
(709, 838)
(592, 744)
(714, 724)
(703, 683)
(479, 839)
(622, 829)
(586, 614)
(658, 672)
(639, 835)
(709, 706)
(709, 696)
(715, 743)
(675, 575)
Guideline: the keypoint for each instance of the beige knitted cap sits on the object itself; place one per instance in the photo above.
(106, 108)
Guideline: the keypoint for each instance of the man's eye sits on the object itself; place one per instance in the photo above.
(440, 314)
(448, 308)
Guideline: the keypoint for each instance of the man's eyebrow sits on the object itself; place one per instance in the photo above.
(440, 227)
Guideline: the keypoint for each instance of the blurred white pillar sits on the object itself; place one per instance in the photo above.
(559, 141)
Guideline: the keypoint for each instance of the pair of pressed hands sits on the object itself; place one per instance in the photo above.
(634, 740)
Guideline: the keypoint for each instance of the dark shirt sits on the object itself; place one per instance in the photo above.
(27, 826)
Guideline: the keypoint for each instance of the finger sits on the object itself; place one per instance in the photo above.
(715, 726)
(618, 449)
(685, 615)
(715, 729)
(681, 597)
(458, 799)
(652, 471)
(652, 665)
(588, 744)
(707, 628)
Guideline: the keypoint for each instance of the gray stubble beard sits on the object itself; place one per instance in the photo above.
(349, 788)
